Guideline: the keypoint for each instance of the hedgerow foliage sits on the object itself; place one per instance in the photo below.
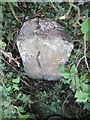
(24, 98)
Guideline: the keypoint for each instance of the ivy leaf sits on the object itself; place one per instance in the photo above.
(15, 86)
(65, 81)
(86, 25)
(77, 80)
(85, 87)
(73, 69)
(81, 96)
(72, 84)
(4, 91)
(9, 89)
(2, 44)
(17, 80)
(88, 35)
(53, 108)
(15, 3)
(65, 75)
(23, 116)
(21, 109)
(87, 106)
(82, 78)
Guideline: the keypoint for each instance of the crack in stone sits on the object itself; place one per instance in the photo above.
(39, 64)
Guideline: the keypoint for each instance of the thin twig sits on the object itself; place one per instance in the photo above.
(78, 17)
(66, 99)
(54, 6)
(84, 57)
(13, 12)
(80, 61)
(68, 12)
(10, 57)
(17, 72)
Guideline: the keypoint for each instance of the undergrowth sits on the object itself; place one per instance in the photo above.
(24, 98)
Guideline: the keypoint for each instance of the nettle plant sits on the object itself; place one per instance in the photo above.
(78, 82)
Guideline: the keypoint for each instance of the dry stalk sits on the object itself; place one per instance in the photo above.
(19, 73)
(78, 16)
(80, 61)
(68, 12)
(84, 57)
(10, 57)
(13, 12)
(54, 6)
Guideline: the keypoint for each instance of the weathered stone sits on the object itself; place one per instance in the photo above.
(43, 45)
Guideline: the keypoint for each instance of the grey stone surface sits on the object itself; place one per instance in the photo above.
(43, 45)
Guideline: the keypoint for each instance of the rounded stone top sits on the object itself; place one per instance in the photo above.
(43, 45)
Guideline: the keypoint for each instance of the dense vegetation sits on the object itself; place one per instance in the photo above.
(24, 98)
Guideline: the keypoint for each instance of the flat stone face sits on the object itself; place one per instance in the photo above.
(43, 45)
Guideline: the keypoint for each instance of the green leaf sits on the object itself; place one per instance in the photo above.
(86, 25)
(23, 116)
(15, 3)
(81, 96)
(9, 89)
(88, 35)
(20, 109)
(73, 69)
(5, 92)
(65, 81)
(77, 80)
(2, 44)
(15, 86)
(52, 107)
(6, 103)
(85, 87)
(72, 84)
(87, 106)
(17, 80)
(65, 75)
(83, 78)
